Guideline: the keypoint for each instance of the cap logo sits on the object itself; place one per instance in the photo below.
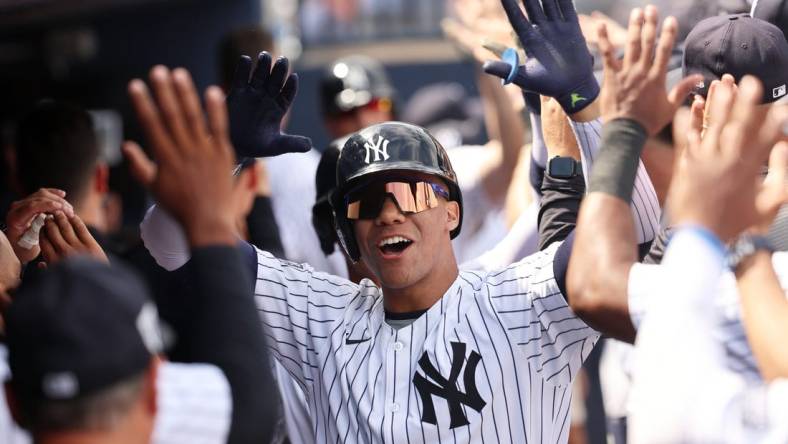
(148, 327)
(380, 148)
(62, 385)
(779, 91)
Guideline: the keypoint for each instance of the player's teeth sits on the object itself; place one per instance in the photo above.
(392, 240)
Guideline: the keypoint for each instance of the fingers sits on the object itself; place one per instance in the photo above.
(277, 77)
(150, 120)
(696, 114)
(520, 24)
(534, 11)
(47, 249)
(611, 64)
(262, 71)
(724, 100)
(664, 48)
(648, 36)
(190, 102)
(289, 91)
(632, 52)
(242, 71)
(142, 168)
(66, 231)
(170, 107)
(82, 233)
(682, 89)
(568, 10)
(552, 10)
(59, 244)
(217, 115)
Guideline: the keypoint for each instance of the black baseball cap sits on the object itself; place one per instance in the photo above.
(738, 44)
(773, 11)
(78, 328)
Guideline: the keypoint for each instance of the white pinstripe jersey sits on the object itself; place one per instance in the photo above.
(491, 361)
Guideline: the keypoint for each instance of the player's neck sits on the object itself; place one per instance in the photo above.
(423, 294)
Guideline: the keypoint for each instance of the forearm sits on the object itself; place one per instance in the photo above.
(224, 330)
(644, 206)
(606, 244)
(507, 126)
(559, 208)
(764, 314)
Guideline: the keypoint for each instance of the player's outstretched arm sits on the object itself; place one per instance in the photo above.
(192, 181)
(634, 105)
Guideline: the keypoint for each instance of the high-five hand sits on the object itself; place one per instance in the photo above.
(192, 178)
(257, 107)
(558, 62)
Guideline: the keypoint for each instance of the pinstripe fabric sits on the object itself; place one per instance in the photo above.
(645, 205)
(529, 342)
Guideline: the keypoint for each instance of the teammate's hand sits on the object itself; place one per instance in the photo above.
(717, 183)
(192, 179)
(558, 62)
(635, 88)
(22, 213)
(64, 236)
(257, 107)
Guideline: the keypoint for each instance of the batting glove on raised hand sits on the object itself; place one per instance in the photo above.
(558, 63)
(257, 106)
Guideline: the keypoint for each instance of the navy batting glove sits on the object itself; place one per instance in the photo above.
(558, 62)
(257, 106)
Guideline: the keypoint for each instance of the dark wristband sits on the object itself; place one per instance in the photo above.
(617, 163)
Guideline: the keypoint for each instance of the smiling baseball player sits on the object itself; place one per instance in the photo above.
(432, 354)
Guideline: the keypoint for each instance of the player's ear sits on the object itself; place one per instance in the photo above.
(452, 215)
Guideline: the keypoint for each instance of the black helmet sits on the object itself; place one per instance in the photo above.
(351, 82)
(388, 148)
(325, 182)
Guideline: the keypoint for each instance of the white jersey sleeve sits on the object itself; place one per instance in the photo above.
(520, 241)
(538, 318)
(645, 205)
(164, 239)
(299, 309)
(194, 404)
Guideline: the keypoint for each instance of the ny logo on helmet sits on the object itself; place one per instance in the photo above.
(380, 148)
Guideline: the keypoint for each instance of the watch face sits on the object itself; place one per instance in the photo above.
(562, 167)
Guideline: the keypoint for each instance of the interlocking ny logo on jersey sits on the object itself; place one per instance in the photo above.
(380, 148)
(447, 388)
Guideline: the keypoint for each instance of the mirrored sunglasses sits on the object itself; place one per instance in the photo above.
(366, 202)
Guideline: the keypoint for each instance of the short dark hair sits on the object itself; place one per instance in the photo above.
(99, 411)
(248, 41)
(56, 147)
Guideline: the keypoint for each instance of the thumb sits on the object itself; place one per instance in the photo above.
(497, 68)
(142, 168)
(291, 144)
(682, 90)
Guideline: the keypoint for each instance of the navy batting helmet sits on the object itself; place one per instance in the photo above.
(352, 82)
(387, 149)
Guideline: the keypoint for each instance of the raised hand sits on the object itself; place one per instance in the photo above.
(558, 62)
(717, 183)
(192, 178)
(21, 214)
(635, 88)
(257, 107)
(64, 237)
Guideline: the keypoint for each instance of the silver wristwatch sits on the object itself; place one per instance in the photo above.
(745, 246)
